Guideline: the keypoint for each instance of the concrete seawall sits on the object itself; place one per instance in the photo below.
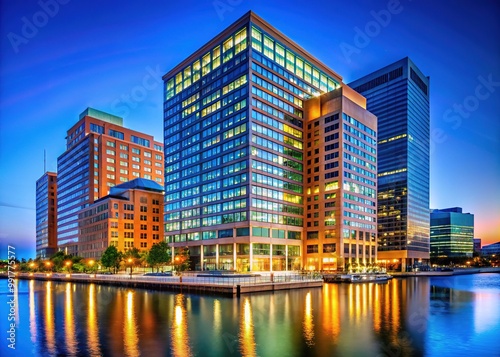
(458, 271)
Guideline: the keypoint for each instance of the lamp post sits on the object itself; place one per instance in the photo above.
(91, 265)
(68, 266)
(130, 263)
(49, 265)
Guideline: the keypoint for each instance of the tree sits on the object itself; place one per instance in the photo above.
(158, 254)
(131, 257)
(182, 260)
(111, 258)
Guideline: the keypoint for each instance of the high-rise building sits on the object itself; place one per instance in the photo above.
(131, 216)
(341, 180)
(247, 166)
(46, 215)
(477, 245)
(452, 233)
(398, 95)
(100, 153)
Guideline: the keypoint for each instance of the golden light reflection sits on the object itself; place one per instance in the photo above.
(365, 289)
(49, 320)
(247, 337)
(308, 323)
(180, 337)
(377, 311)
(32, 311)
(357, 304)
(93, 327)
(331, 316)
(69, 322)
(217, 317)
(130, 337)
(395, 318)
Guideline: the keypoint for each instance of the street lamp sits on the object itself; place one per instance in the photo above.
(91, 264)
(49, 265)
(68, 266)
(130, 263)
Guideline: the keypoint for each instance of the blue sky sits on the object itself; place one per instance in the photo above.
(60, 56)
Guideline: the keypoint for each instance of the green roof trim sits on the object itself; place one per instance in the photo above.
(110, 118)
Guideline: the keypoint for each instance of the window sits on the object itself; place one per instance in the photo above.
(140, 141)
(329, 248)
(116, 134)
(312, 248)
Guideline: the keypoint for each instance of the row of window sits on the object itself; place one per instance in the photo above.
(277, 207)
(275, 170)
(276, 124)
(276, 90)
(208, 62)
(276, 195)
(280, 160)
(277, 102)
(274, 182)
(275, 218)
(291, 61)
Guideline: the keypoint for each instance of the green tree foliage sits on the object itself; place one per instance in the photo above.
(159, 254)
(111, 258)
(182, 260)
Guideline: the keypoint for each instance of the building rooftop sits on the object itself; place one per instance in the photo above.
(138, 183)
(94, 113)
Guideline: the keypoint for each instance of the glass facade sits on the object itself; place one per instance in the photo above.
(399, 96)
(234, 149)
(452, 233)
(73, 181)
(46, 205)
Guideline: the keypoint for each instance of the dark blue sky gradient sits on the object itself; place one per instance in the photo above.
(110, 55)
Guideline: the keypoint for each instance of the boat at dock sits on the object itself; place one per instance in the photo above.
(356, 278)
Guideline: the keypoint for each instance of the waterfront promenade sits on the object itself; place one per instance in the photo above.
(228, 284)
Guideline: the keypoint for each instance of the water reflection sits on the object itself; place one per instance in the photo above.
(69, 322)
(130, 338)
(33, 326)
(331, 315)
(486, 312)
(404, 317)
(247, 337)
(93, 326)
(217, 317)
(180, 336)
(308, 321)
(49, 319)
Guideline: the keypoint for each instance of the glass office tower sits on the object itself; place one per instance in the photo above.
(399, 96)
(235, 148)
(452, 233)
(46, 210)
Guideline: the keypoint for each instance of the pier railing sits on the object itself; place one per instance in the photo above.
(185, 278)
